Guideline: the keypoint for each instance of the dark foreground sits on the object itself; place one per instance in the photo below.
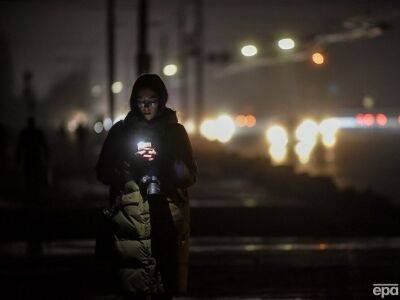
(283, 268)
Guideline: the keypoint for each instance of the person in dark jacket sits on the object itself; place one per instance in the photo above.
(167, 154)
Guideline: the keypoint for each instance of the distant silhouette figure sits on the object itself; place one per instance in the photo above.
(33, 159)
(82, 134)
(28, 94)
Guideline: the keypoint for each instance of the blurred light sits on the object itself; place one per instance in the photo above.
(304, 149)
(107, 124)
(278, 153)
(398, 119)
(170, 70)
(98, 127)
(241, 120)
(318, 58)
(369, 119)
(328, 129)
(221, 129)
(77, 119)
(360, 119)
(207, 129)
(190, 126)
(117, 87)
(307, 131)
(381, 119)
(96, 90)
(250, 121)
(329, 140)
(286, 44)
(225, 128)
(368, 102)
(249, 50)
(250, 202)
(277, 135)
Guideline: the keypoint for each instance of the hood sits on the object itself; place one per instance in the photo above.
(152, 81)
(165, 115)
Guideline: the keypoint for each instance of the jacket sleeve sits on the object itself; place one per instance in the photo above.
(184, 167)
(108, 158)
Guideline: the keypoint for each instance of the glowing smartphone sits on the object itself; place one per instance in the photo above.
(142, 145)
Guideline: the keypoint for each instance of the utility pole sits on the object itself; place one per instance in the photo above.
(142, 57)
(199, 65)
(182, 59)
(110, 54)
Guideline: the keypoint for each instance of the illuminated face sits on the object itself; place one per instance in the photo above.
(148, 103)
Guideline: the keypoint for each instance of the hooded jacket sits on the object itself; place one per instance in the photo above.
(175, 156)
(177, 171)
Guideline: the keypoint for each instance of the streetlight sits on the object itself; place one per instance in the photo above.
(318, 58)
(170, 70)
(286, 44)
(249, 50)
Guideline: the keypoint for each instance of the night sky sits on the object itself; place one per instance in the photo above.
(63, 44)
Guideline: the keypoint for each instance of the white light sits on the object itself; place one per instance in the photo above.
(304, 150)
(277, 135)
(190, 126)
(307, 131)
(286, 44)
(221, 129)
(107, 124)
(278, 153)
(98, 127)
(249, 50)
(328, 129)
(225, 128)
(207, 129)
(117, 87)
(170, 70)
(141, 145)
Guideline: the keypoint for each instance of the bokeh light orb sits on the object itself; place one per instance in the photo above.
(117, 87)
(286, 44)
(249, 50)
(307, 131)
(318, 58)
(277, 135)
(170, 70)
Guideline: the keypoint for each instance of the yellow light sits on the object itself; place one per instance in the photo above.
(304, 149)
(277, 135)
(249, 50)
(241, 120)
(278, 154)
(170, 70)
(307, 131)
(286, 44)
(318, 58)
(190, 126)
(117, 87)
(329, 140)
